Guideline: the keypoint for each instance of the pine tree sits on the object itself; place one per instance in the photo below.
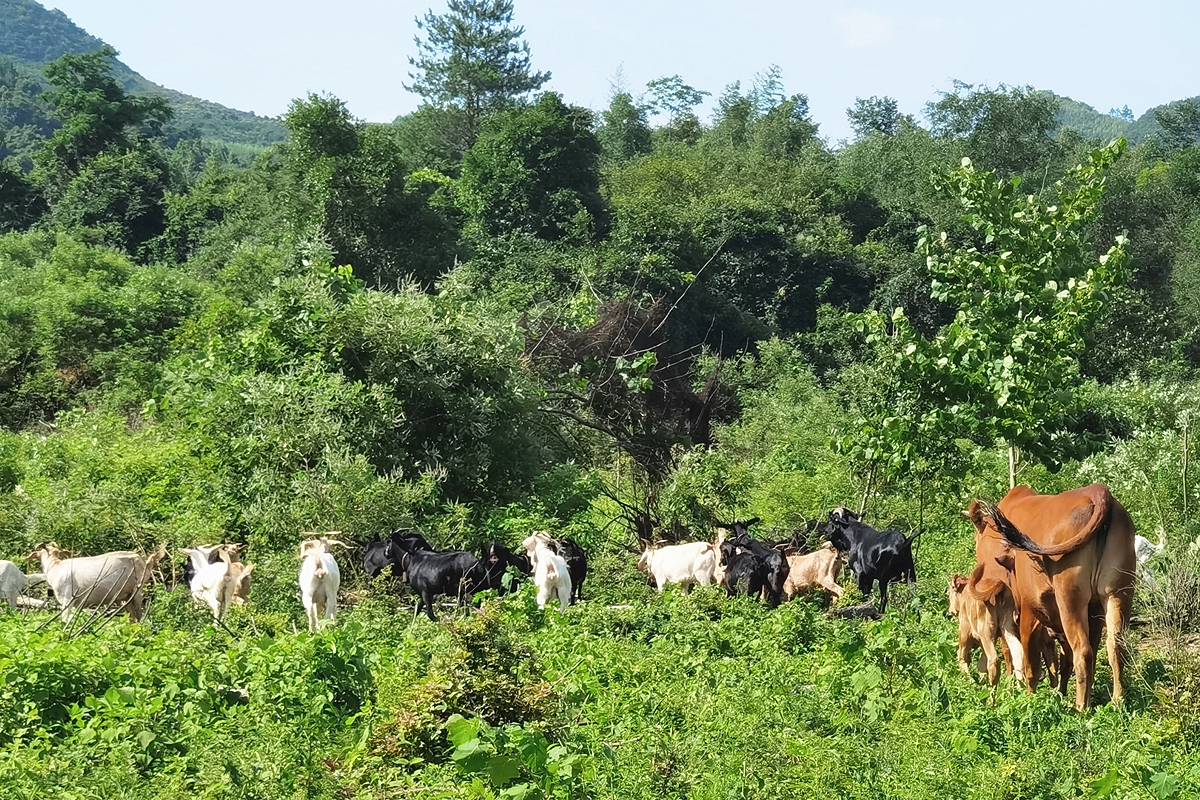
(473, 60)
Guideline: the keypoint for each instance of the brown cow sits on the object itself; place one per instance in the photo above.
(819, 568)
(1071, 568)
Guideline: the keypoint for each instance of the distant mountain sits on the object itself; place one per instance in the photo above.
(1092, 124)
(35, 36)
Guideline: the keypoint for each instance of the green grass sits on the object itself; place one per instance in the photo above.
(674, 696)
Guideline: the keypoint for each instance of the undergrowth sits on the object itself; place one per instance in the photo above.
(672, 696)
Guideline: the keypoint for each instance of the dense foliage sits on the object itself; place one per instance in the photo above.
(505, 313)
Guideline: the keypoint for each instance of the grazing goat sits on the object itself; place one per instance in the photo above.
(1143, 551)
(685, 564)
(772, 566)
(320, 577)
(221, 583)
(96, 581)
(576, 559)
(432, 573)
(550, 572)
(213, 553)
(379, 554)
(819, 568)
(884, 556)
(739, 566)
(13, 582)
(489, 572)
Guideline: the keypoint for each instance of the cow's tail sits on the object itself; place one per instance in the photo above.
(1102, 505)
(984, 589)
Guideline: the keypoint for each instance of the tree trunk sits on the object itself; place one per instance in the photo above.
(1012, 467)
(1186, 421)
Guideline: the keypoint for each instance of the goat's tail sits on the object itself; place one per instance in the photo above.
(320, 571)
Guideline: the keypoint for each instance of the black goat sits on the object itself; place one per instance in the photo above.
(431, 574)
(378, 554)
(489, 572)
(742, 566)
(577, 564)
(884, 556)
(773, 563)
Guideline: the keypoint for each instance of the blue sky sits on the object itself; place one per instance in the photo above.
(257, 55)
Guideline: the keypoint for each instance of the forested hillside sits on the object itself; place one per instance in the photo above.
(506, 313)
(34, 36)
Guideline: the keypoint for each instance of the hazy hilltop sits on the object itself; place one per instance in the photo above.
(35, 35)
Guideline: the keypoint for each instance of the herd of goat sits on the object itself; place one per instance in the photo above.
(1038, 584)
(218, 578)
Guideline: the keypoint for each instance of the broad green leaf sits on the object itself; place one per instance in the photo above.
(502, 769)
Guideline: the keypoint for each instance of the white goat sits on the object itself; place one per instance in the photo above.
(320, 578)
(685, 564)
(1144, 550)
(550, 572)
(216, 583)
(239, 571)
(96, 581)
(13, 582)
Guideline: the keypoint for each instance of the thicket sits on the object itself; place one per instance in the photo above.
(522, 315)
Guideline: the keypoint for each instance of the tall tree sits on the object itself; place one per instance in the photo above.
(1027, 291)
(535, 170)
(355, 198)
(474, 60)
(1180, 123)
(1007, 129)
(624, 131)
(879, 115)
(96, 114)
